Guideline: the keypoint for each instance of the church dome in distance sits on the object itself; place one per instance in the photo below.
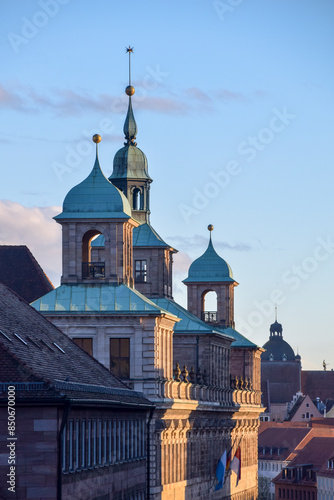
(276, 348)
(95, 197)
(209, 267)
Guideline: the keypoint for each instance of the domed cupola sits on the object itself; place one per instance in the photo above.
(96, 208)
(209, 267)
(211, 273)
(130, 170)
(95, 197)
(276, 348)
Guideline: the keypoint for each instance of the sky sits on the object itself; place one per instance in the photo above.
(234, 107)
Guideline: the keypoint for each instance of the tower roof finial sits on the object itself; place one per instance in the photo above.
(275, 312)
(130, 126)
(210, 228)
(96, 138)
(130, 90)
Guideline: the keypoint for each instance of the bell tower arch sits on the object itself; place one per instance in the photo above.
(210, 273)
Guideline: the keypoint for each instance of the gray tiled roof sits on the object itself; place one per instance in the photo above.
(34, 350)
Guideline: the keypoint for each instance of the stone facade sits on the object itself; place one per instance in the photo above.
(38, 456)
(206, 393)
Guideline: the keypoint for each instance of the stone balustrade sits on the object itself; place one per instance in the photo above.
(193, 386)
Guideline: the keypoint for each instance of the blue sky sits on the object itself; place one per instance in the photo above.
(234, 107)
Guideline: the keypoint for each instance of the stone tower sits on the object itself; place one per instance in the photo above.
(92, 208)
(210, 273)
(153, 257)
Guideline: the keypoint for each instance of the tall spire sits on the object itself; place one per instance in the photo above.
(130, 126)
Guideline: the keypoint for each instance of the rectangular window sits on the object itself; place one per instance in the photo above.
(85, 343)
(94, 442)
(105, 441)
(140, 271)
(70, 445)
(83, 444)
(99, 441)
(77, 443)
(110, 438)
(64, 448)
(120, 357)
(89, 444)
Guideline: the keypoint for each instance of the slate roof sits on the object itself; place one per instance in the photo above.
(20, 271)
(191, 324)
(47, 364)
(102, 298)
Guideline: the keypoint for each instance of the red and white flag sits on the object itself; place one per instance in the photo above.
(236, 464)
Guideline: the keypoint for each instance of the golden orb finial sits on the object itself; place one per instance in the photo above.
(129, 90)
(210, 227)
(97, 138)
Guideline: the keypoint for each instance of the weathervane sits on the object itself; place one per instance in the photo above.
(129, 50)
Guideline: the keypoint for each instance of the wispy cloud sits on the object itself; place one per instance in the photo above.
(198, 241)
(229, 95)
(69, 102)
(10, 99)
(34, 227)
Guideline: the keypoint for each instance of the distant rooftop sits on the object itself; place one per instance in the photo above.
(20, 271)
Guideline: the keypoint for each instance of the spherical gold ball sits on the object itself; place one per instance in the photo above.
(129, 90)
(210, 227)
(96, 138)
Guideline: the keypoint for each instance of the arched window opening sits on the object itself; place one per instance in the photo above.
(93, 265)
(209, 306)
(136, 199)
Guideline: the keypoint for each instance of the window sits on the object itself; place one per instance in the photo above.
(307, 415)
(140, 271)
(307, 405)
(303, 415)
(120, 357)
(85, 343)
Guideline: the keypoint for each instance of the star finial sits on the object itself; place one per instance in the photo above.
(129, 49)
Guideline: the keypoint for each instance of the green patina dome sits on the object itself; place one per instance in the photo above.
(209, 267)
(95, 197)
(130, 162)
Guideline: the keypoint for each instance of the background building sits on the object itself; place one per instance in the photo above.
(280, 374)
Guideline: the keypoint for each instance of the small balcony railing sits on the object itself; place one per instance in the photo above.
(93, 270)
(209, 316)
